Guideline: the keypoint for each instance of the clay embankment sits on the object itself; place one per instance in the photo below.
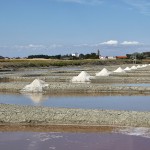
(78, 88)
(30, 115)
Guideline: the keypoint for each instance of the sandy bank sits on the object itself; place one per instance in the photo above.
(32, 115)
(60, 87)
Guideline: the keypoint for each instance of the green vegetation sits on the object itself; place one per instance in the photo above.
(68, 57)
(66, 60)
(24, 63)
(144, 55)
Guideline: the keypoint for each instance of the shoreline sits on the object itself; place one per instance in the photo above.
(58, 128)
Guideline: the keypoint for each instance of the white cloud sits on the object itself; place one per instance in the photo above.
(141, 5)
(35, 46)
(130, 43)
(83, 1)
(32, 46)
(111, 42)
(55, 46)
(80, 45)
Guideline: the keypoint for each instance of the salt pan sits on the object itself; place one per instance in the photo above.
(36, 86)
(103, 72)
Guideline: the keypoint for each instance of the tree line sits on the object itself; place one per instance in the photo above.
(69, 57)
(136, 55)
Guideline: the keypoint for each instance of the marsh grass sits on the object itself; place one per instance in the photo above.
(19, 63)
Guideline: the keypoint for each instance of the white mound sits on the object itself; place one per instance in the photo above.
(145, 65)
(103, 72)
(133, 67)
(119, 70)
(82, 77)
(127, 69)
(36, 86)
(138, 67)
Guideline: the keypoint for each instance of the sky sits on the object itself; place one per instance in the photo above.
(53, 27)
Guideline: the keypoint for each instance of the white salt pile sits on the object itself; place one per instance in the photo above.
(144, 65)
(36, 86)
(119, 70)
(127, 69)
(138, 67)
(103, 72)
(82, 77)
(133, 67)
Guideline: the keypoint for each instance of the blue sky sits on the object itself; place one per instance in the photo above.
(115, 27)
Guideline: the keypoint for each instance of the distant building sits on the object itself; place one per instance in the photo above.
(75, 55)
(121, 57)
(111, 57)
(7, 58)
(102, 57)
(98, 53)
(107, 57)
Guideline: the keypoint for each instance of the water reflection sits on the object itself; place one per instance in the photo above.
(36, 98)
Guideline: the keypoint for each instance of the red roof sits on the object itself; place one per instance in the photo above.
(121, 57)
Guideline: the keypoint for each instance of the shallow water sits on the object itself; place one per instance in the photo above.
(72, 141)
(138, 103)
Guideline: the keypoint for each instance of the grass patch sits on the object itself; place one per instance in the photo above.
(20, 63)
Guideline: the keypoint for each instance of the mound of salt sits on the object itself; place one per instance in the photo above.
(138, 67)
(82, 77)
(145, 65)
(119, 70)
(36, 86)
(103, 72)
(127, 69)
(133, 67)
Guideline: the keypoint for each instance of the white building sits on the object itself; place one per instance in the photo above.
(107, 57)
(75, 55)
